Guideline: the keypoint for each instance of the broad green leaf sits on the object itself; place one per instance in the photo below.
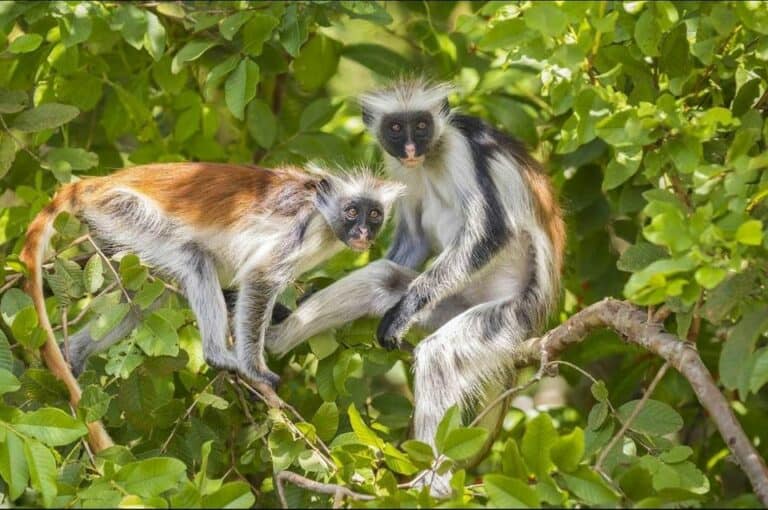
(506, 492)
(42, 469)
(257, 31)
(94, 403)
(6, 358)
(216, 75)
(590, 487)
(261, 123)
(45, 116)
(151, 477)
(132, 272)
(25, 43)
(93, 276)
(108, 320)
(148, 294)
(240, 87)
(8, 382)
(52, 426)
(624, 165)
(154, 38)
(709, 277)
(317, 62)
(677, 454)
(464, 443)
(362, 431)
(190, 52)
(293, 30)
(231, 495)
(13, 464)
(418, 451)
(647, 34)
(599, 391)
(12, 101)
(451, 421)
(13, 301)
(398, 461)
(546, 18)
(230, 25)
(157, 337)
(25, 329)
(77, 159)
(750, 233)
(317, 114)
(568, 450)
(7, 153)
(739, 347)
(655, 418)
(326, 420)
(538, 439)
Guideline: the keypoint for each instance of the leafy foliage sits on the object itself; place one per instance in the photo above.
(650, 116)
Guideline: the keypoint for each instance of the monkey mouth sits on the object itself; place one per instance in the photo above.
(412, 162)
(359, 244)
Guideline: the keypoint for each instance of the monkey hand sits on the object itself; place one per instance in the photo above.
(394, 325)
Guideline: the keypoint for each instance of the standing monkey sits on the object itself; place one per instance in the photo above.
(477, 201)
(205, 225)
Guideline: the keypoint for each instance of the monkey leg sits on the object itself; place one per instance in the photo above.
(369, 291)
(459, 362)
(255, 300)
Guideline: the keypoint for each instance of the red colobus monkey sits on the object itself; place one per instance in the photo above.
(211, 226)
(478, 202)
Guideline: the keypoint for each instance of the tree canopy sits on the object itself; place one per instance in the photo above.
(650, 118)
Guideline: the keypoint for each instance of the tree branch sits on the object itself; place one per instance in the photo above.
(337, 491)
(633, 325)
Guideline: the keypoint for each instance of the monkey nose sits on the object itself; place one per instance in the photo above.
(410, 150)
(364, 232)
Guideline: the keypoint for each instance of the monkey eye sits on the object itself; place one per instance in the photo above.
(350, 213)
(375, 214)
(421, 125)
(396, 127)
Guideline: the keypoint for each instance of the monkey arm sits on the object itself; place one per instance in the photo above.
(410, 247)
(472, 248)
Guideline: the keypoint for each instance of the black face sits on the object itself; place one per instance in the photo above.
(407, 135)
(360, 221)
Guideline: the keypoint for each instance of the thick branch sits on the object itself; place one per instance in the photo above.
(633, 325)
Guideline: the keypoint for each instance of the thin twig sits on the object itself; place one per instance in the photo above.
(21, 145)
(628, 422)
(115, 274)
(339, 492)
(188, 412)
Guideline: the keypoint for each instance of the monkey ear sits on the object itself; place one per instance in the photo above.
(389, 191)
(324, 186)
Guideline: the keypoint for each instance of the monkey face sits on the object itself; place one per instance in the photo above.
(407, 136)
(360, 221)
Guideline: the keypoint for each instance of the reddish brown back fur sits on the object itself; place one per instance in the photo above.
(214, 194)
(548, 210)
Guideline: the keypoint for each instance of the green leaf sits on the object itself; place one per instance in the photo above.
(648, 34)
(361, 430)
(397, 461)
(677, 454)
(7, 153)
(293, 30)
(639, 256)
(25, 329)
(6, 358)
(317, 62)
(599, 391)
(93, 276)
(154, 38)
(77, 159)
(568, 450)
(597, 415)
(257, 31)
(261, 123)
(13, 101)
(190, 52)
(750, 233)
(240, 87)
(148, 294)
(624, 165)
(739, 347)
(230, 25)
(94, 403)
(157, 337)
(451, 421)
(45, 116)
(506, 492)
(326, 421)
(231, 495)
(590, 487)
(710, 277)
(13, 464)
(418, 451)
(13, 301)
(151, 477)
(546, 18)
(25, 43)
(655, 418)
(8, 382)
(464, 443)
(378, 59)
(52, 426)
(538, 439)
(108, 320)
(42, 469)
(132, 272)
(317, 114)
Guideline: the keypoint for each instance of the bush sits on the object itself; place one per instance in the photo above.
(650, 117)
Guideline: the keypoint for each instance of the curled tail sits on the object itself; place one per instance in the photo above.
(39, 234)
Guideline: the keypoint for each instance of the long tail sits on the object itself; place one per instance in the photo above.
(38, 235)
